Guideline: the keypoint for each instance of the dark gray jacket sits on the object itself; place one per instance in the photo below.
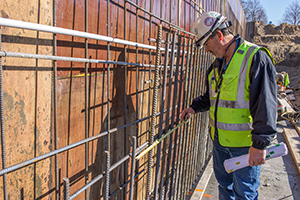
(262, 94)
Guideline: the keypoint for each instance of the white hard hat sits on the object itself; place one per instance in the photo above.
(205, 25)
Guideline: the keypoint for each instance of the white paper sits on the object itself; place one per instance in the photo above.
(240, 162)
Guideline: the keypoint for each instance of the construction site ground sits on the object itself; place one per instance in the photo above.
(279, 178)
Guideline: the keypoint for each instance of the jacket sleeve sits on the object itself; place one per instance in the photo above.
(263, 99)
(202, 103)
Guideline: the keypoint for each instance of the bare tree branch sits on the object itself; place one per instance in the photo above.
(292, 14)
(254, 11)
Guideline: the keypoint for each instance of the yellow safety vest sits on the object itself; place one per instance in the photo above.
(234, 121)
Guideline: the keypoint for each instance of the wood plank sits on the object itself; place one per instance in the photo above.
(293, 141)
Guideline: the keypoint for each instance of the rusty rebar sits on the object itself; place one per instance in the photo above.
(162, 107)
(154, 105)
(66, 188)
(133, 156)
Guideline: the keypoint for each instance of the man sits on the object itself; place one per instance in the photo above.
(241, 99)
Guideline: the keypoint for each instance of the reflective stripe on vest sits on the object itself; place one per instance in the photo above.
(231, 127)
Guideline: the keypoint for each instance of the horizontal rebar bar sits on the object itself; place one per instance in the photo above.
(63, 58)
(50, 29)
(71, 59)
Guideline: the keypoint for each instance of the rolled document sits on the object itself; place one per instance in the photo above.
(240, 162)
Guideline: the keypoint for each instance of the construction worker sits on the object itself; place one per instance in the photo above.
(241, 99)
(282, 81)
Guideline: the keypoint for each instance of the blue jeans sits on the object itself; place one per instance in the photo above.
(240, 184)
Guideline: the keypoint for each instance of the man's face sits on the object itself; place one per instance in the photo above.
(212, 46)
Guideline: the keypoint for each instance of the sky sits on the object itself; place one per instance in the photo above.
(275, 9)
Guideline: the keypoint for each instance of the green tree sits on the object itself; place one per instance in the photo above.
(292, 14)
(254, 11)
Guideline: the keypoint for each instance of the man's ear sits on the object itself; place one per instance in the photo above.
(220, 35)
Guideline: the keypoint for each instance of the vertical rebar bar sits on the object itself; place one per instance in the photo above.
(183, 130)
(143, 95)
(193, 128)
(196, 124)
(153, 117)
(150, 62)
(190, 17)
(70, 91)
(54, 109)
(87, 109)
(181, 139)
(162, 107)
(137, 95)
(191, 132)
(176, 153)
(175, 97)
(36, 102)
(168, 114)
(201, 157)
(2, 124)
(66, 188)
(125, 122)
(107, 176)
(202, 125)
(188, 127)
(107, 141)
(149, 104)
(132, 167)
(125, 99)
